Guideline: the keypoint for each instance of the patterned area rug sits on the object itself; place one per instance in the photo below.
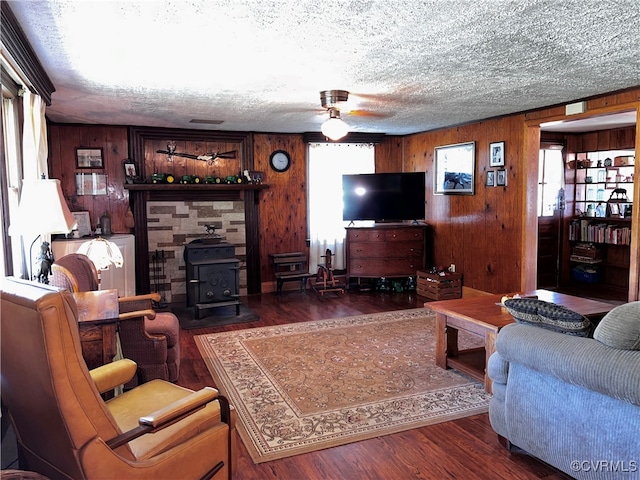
(312, 385)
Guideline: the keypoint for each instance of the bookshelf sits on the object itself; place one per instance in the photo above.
(599, 232)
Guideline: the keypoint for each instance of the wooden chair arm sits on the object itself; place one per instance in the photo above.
(154, 297)
(173, 413)
(111, 375)
(137, 313)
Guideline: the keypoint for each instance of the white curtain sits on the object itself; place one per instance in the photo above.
(34, 136)
(14, 175)
(327, 163)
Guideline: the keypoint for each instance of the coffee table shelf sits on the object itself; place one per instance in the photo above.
(470, 362)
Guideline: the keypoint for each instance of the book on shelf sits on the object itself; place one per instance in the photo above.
(597, 231)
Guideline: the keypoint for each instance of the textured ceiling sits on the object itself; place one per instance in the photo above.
(411, 66)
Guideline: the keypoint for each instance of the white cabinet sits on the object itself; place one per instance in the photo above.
(123, 278)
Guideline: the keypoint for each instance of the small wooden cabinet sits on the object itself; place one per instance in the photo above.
(393, 250)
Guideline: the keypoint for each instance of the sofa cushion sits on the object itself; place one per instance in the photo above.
(548, 315)
(620, 328)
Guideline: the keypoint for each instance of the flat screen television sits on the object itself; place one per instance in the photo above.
(383, 197)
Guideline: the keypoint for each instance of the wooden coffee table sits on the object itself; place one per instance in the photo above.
(484, 316)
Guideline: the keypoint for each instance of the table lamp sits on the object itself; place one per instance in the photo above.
(42, 210)
(102, 253)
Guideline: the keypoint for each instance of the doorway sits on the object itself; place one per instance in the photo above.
(550, 213)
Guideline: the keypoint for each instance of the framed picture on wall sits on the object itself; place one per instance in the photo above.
(91, 184)
(89, 158)
(84, 225)
(501, 178)
(496, 154)
(455, 167)
(491, 179)
(130, 171)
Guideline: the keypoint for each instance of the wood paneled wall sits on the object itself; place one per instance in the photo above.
(283, 206)
(63, 140)
(487, 235)
(481, 233)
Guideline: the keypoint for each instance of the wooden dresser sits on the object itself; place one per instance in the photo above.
(393, 250)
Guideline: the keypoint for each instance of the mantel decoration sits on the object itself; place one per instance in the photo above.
(207, 157)
(496, 154)
(455, 169)
(130, 171)
(89, 158)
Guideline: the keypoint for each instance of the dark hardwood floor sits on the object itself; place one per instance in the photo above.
(463, 449)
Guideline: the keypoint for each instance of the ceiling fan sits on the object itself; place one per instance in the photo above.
(334, 128)
(335, 102)
(207, 157)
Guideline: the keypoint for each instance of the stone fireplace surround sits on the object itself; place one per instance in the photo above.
(172, 224)
(195, 203)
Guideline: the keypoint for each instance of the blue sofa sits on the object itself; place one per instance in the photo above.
(572, 401)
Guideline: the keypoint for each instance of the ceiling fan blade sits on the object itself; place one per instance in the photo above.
(367, 113)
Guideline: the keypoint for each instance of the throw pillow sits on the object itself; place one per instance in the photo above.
(620, 328)
(548, 315)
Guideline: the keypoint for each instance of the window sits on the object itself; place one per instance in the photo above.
(11, 260)
(550, 179)
(326, 165)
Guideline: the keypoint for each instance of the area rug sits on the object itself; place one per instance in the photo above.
(306, 386)
(213, 317)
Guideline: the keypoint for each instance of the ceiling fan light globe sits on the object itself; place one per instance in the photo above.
(334, 128)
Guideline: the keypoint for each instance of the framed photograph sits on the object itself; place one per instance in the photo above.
(130, 172)
(501, 178)
(84, 225)
(491, 179)
(455, 167)
(614, 210)
(496, 154)
(91, 184)
(89, 158)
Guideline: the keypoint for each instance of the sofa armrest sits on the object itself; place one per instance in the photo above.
(584, 362)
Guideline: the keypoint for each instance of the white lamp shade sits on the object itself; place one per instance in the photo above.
(102, 253)
(335, 128)
(42, 209)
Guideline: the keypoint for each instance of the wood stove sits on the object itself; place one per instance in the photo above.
(213, 275)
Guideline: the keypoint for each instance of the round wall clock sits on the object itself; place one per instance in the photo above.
(280, 161)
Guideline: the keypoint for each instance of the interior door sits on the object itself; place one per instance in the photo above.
(549, 251)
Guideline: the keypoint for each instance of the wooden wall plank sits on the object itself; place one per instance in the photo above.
(283, 206)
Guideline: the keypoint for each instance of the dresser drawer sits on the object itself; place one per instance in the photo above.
(404, 234)
(365, 235)
(377, 267)
(386, 249)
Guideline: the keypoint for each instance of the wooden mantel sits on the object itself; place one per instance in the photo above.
(193, 191)
(141, 193)
(201, 187)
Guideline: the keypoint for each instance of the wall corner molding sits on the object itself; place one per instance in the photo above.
(18, 47)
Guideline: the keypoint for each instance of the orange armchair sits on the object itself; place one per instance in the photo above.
(151, 339)
(65, 429)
